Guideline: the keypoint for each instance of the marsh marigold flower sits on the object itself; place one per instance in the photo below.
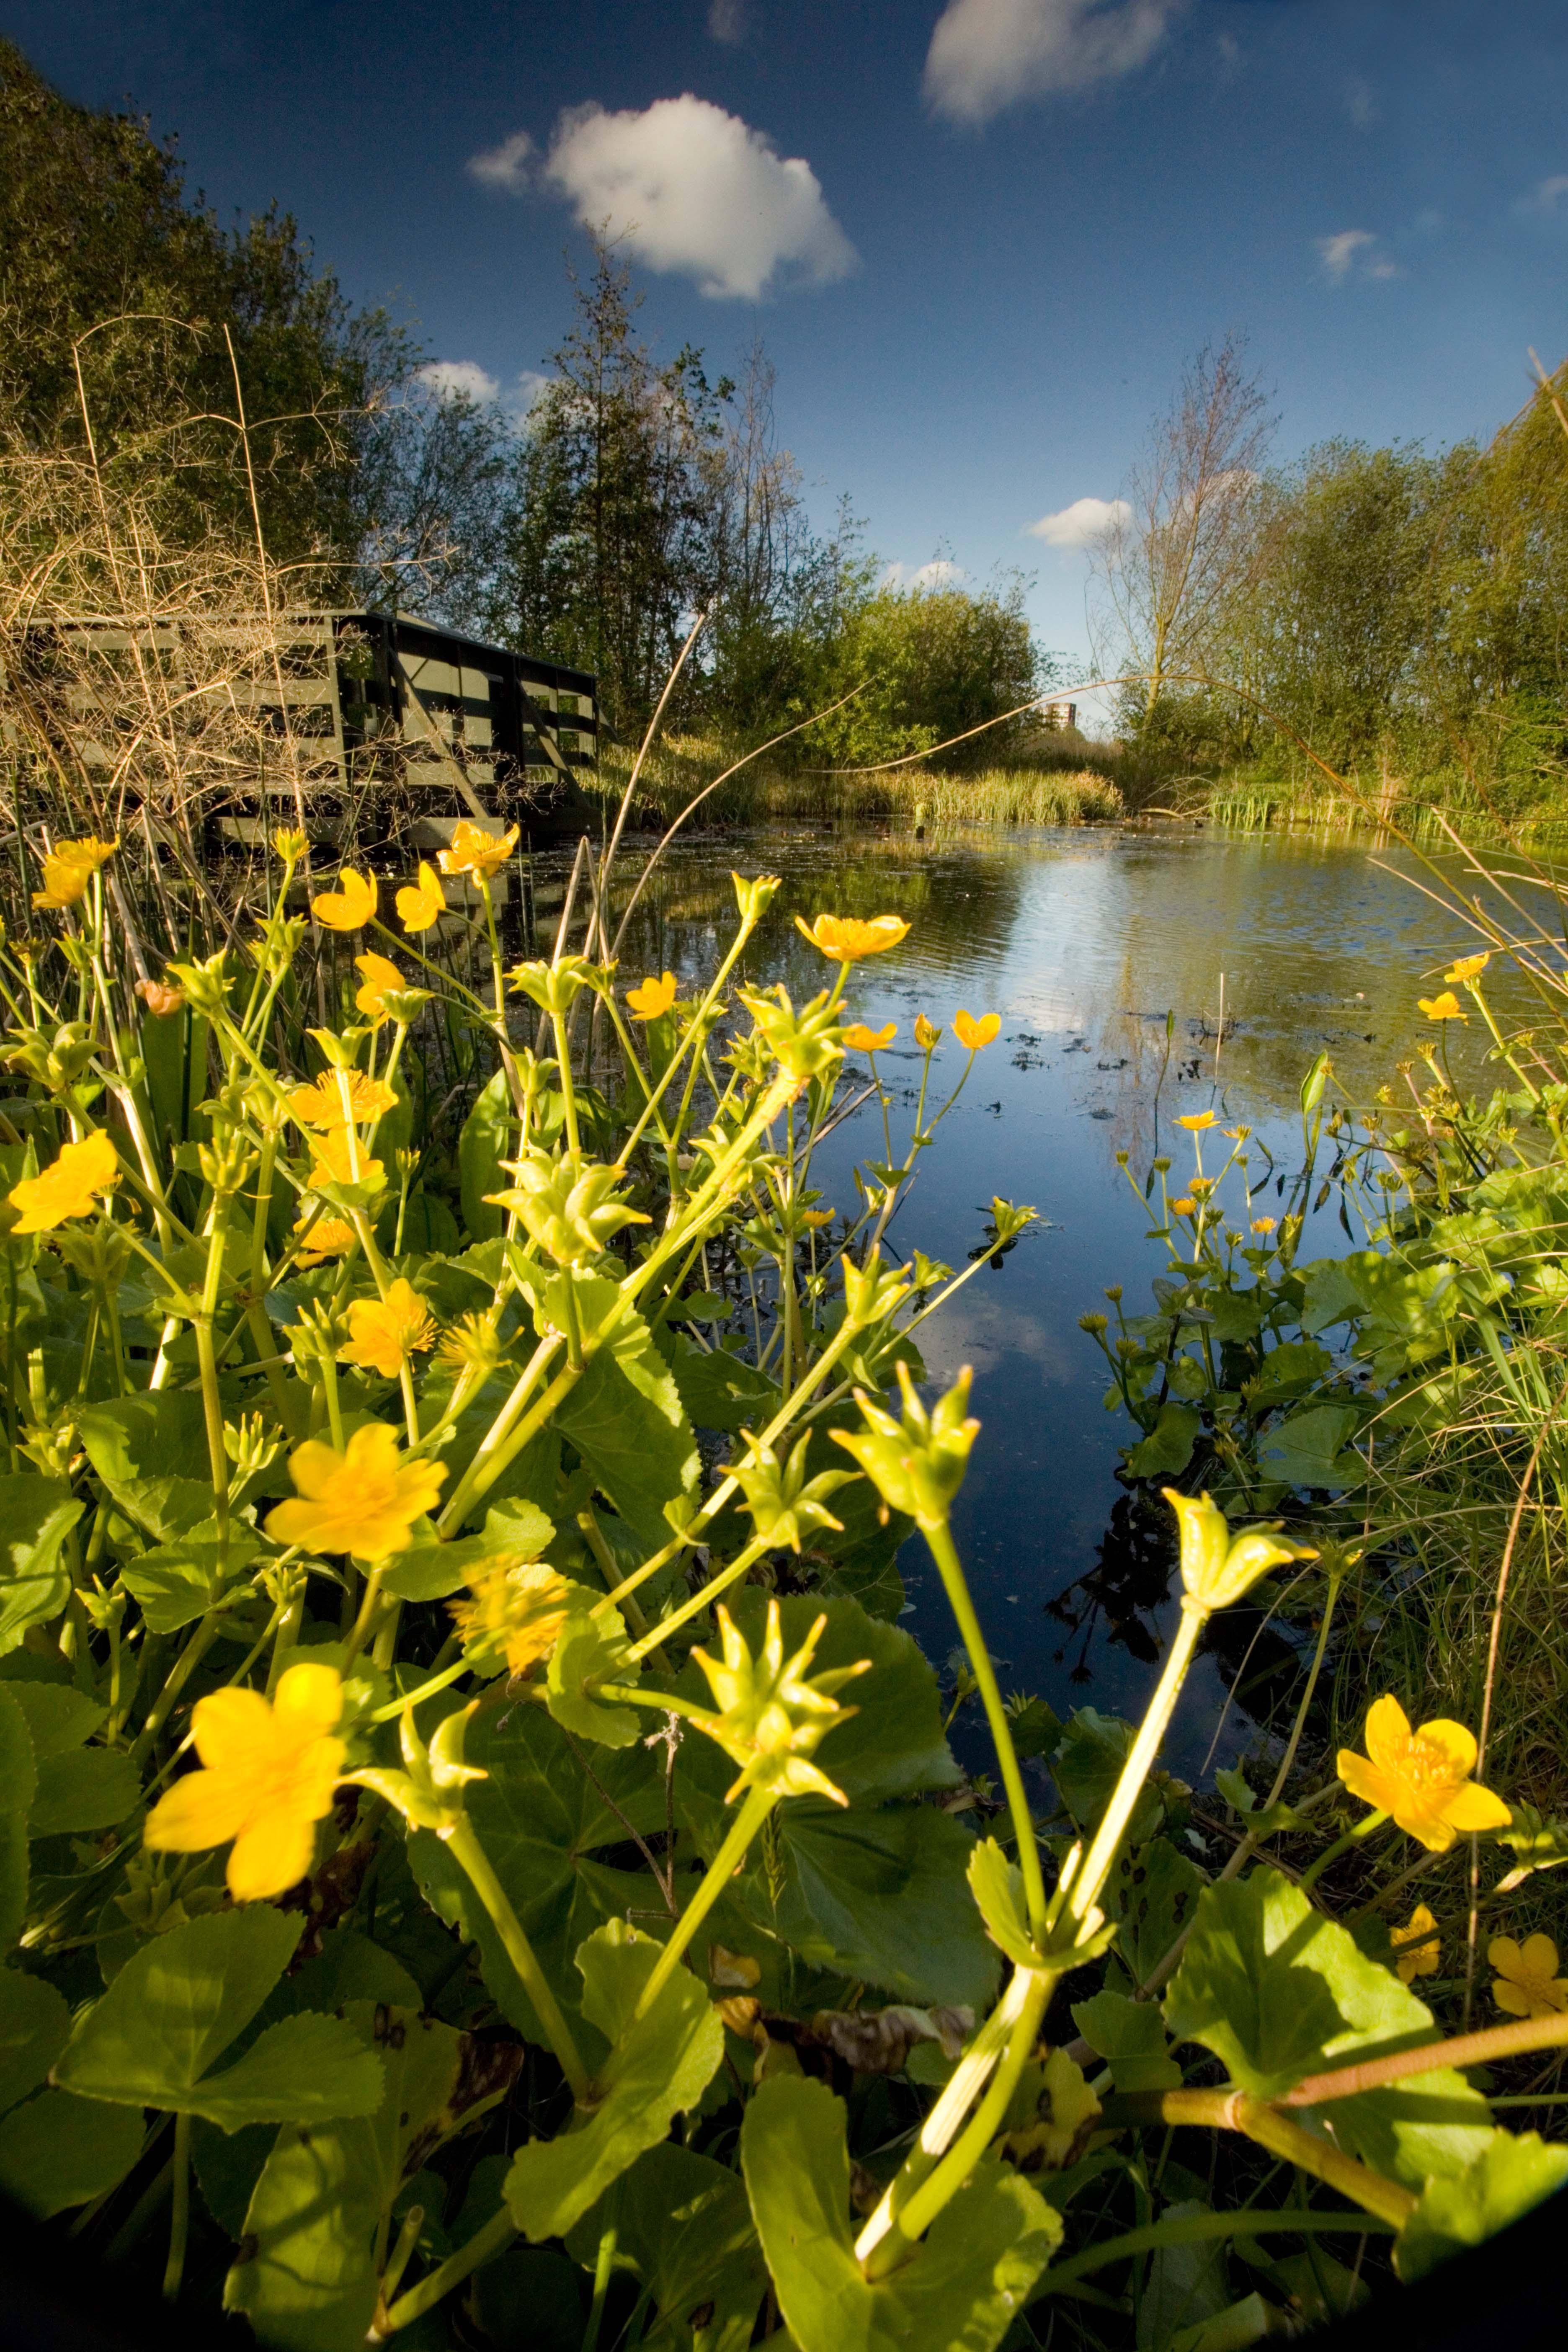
(1184, 1207)
(816, 1218)
(654, 997)
(332, 1162)
(70, 867)
(351, 906)
(160, 997)
(861, 1040)
(1468, 968)
(421, 903)
(1527, 1984)
(268, 1770)
(515, 1612)
(1263, 1225)
(364, 1500)
(474, 851)
(1416, 1951)
(972, 1034)
(384, 1332)
(328, 1237)
(68, 1187)
(847, 940)
(928, 1037)
(380, 974)
(322, 1105)
(1421, 1779)
(1195, 1121)
(1441, 1008)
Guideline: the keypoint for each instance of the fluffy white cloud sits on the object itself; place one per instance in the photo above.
(505, 166)
(689, 188)
(1082, 523)
(1338, 255)
(460, 380)
(939, 573)
(986, 54)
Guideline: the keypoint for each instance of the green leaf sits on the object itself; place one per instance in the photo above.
(166, 1508)
(58, 1717)
(1287, 1372)
(307, 2281)
(432, 1571)
(1186, 2285)
(1131, 2036)
(177, 1582)
(625, 1417)
(1168, 1448)
(35, 1517)
(1332, 1295)
(659, 2067)
(174, 2008)
(1151, 1893)
(682, 2229)
(34, 2023)
(1509, 2177)
(1279, 1992)
(997, 1886)
(721, 1390)
(156, 1434)
(1311, 1448)
(1088, 1766)
(961, 2290)
(77, 1788)
(485, 1141)
(884, 1897)
(19, 1783)
(58, 2151)
(591, 1648)
(542, 1823)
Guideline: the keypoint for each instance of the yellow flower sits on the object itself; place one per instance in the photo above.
(1528, 1983)
(471, 1344)
(1184, 1207)
(517, 1610)
(1420, 1932)
(975, 1034)
(332, 1161)
(817, 1218)
(1196, 1120)
(69, 868)
(654, 997)
(269, 1772)
(351, 906)
(322, 1104)
(421, 903)
(474, 851)
(160, 997)
(380, 974)
(364, 1500)
(1421, 1779)
(928, 1037)
(1217, 1566)
(288, 843)
(1263, 1225)
(1238, 1134)
(68, 1185)
(384, 1332)
(1441, 1008)
(1468, 968)
(328, 1237)
(847, 940)
(861, 1040)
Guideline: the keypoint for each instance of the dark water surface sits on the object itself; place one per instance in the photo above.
(1083, 941)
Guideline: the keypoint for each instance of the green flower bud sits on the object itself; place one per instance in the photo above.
(916, 1466)
(1218, 1568)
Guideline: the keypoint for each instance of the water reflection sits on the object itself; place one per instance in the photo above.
(1104, 953)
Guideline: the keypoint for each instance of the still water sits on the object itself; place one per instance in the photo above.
(1083, 941)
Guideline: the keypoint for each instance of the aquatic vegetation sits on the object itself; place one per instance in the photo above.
(468, 1796)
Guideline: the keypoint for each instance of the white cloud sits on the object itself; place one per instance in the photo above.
(689, 188)
(505, 166)
(528, 391)
(460, 380)
(986, 54)
(727, 22)
(1360, 103)
(1349, 252)
(939, 573)
(1546, 197)
(1082, 523)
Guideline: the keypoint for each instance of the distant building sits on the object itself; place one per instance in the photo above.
(1061, 714)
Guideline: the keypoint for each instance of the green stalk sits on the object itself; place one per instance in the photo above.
(180, 2211)
(1097, 1863)
(207, 1358)
(494, 2239)
(486, 1467)
(946, 1554)
(700, 1600)
(759, 1804)
(467, 1851)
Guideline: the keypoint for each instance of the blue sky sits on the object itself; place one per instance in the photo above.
(979, 240)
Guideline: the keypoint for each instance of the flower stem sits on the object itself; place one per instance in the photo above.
(1097, 1863)
(721, 1870)
(179, 2212)
(494, 2239)
(470, 1853)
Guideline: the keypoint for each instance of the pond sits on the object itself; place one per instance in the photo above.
(1105, 953)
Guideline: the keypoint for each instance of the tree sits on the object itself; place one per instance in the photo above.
(1186, 545)
(932, 663)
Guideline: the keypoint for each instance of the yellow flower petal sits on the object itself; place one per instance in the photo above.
(421, 903)
(654, 997)
(1196, 1120)
(68, 1187)
(309, 1699)
(351, 906)
(1441, 1008)
(974, 1033)
(847, 940)
(861, 1040)
(1468, 968)
(474, 851)
(363, 1501)
(271, 1857)
(380, 974)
